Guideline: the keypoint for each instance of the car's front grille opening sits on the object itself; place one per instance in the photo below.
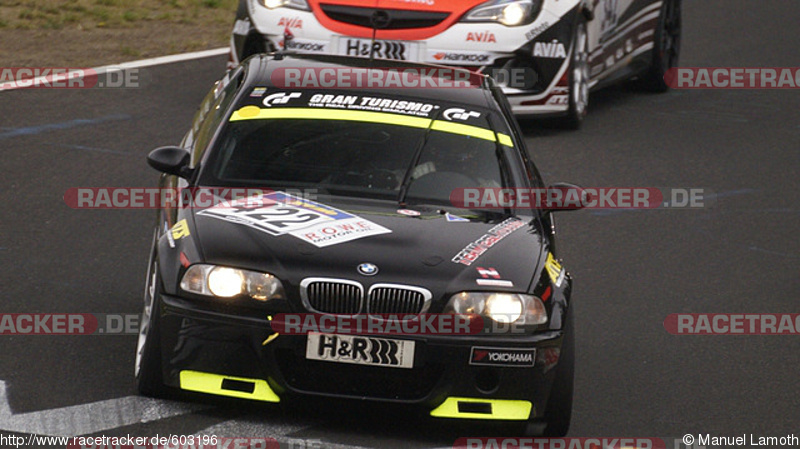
(334, 297)
(238, 385)
(475, 407)
(395, 300)
(346, 297)
(398, 19)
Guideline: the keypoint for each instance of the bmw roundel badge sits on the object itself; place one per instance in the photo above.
(368, 269)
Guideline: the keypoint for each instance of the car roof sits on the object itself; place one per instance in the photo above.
(260, 69)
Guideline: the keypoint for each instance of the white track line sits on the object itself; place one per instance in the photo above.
(161, 60)
(167, 59)
(90, 418)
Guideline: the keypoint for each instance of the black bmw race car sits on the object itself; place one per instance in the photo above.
(353, 216)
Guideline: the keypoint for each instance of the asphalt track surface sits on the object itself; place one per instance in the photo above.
(631, 269)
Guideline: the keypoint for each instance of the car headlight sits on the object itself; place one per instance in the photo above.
(506, 308)
(225, 282)
(295, 4)
(508, 12)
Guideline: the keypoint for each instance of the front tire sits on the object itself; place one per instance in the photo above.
(147, 369)
(558, 413)
(666, 48)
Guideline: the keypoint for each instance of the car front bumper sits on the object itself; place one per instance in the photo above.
(226, 354)
(535, 86)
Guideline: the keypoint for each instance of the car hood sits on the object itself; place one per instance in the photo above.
(441, 252)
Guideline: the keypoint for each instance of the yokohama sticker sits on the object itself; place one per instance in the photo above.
(475, 249)
(502, 356)
(279, 213)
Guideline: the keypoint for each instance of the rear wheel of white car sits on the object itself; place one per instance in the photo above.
(148, 350)
(666, 48)
(578, 79)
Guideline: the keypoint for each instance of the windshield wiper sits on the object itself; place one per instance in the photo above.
(401, 197)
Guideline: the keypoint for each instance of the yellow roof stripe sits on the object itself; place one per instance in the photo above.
(464, 130)
(505, 139)
(256, 113)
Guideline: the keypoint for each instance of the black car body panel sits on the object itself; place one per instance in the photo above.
(230, 347)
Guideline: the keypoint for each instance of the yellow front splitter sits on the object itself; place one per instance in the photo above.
(220, 385)
(474, 408)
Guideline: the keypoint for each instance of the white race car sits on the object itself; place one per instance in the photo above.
(547, 54)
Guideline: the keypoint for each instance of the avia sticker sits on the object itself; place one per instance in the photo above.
(280, 98)
(180, 230)
(554, 269)
(291, 22)
(554, 49)
(486, 37)
(460, 114)
(474, 250)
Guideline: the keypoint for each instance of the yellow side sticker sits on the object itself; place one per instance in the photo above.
(554, 269)
(180, 230)
(506, 409)
(212, 384)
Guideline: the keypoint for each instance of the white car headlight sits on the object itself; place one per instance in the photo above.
(508, 12)
(225, 282)
(506, 308)
(295, 4)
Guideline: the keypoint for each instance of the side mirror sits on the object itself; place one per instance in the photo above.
(171, 160)
(563, 196)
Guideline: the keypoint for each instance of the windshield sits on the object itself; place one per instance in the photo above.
(407, 157)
